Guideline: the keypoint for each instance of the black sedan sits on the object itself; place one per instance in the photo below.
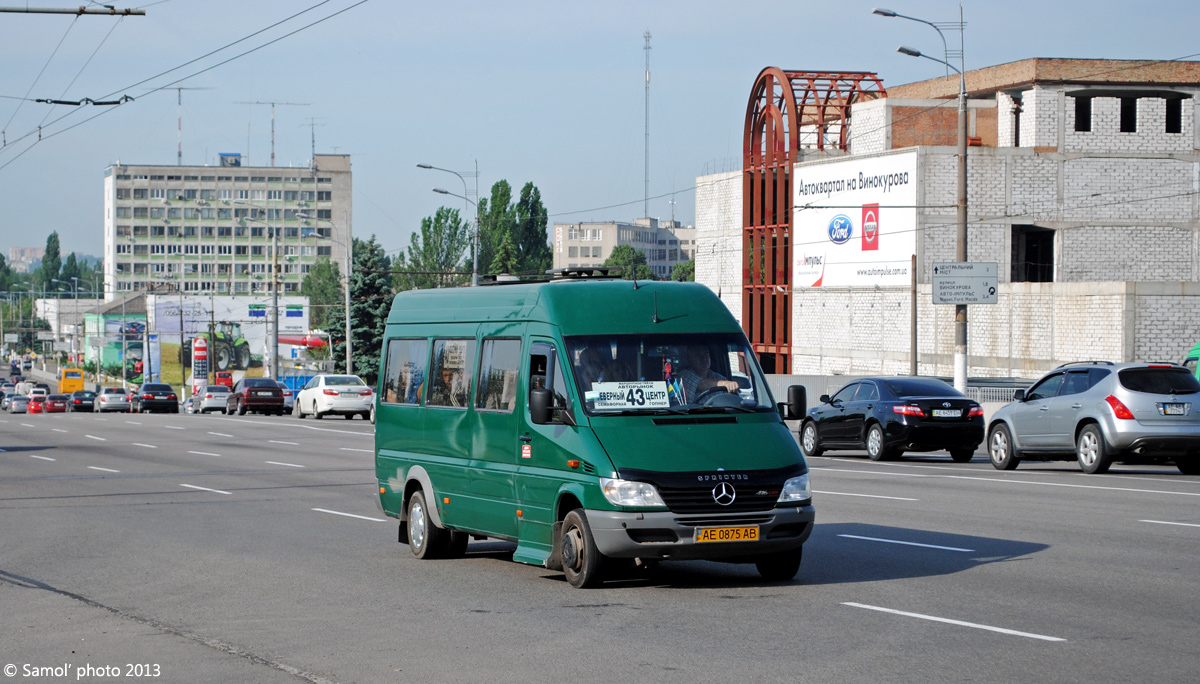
(155, 396)
(82, 400)
(888, 416)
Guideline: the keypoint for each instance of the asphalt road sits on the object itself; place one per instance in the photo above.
(249, 549)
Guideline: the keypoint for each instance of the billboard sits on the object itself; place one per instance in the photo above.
(854, 222)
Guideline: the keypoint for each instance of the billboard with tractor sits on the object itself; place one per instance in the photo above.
(237, 329)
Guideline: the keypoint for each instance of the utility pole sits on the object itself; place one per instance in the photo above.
(287, 104)
(646, 204)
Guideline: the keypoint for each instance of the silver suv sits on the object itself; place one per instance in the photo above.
(1098, 412)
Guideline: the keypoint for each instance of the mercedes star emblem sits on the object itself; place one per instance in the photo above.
(724, 494)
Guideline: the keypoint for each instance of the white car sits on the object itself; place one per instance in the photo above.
(345, 395)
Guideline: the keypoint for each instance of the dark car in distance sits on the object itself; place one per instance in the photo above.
(259, 395)
(155, 396)
(82, 400)
(887, 416)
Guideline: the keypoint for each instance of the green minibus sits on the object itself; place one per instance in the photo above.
(594, 422)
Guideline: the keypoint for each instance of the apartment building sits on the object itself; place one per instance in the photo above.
(665, 243)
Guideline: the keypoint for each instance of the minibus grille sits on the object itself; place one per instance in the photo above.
(700, 500)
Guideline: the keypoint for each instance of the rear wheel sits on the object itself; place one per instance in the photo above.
(963, 455)
(581, 560)
(1091, 450)
(1001, 450)
(297, 411)
(241, 409)
(1188, 465)
(876, 450)
(424, 538)
(779, 567)
(808, 440)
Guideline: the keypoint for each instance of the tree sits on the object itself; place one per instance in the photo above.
(632, 263)
(434, 256)
(532, 244)
(51, 261)
(370, 301)
(496, 219)
(323, 287)
(69, 270)
(505, 260)
(684, 271)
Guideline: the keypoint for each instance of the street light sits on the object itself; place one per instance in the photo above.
(960, 310)
(349, 250)
(475, 241)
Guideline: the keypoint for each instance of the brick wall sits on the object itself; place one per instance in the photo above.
(719, 237)
(1150, 136)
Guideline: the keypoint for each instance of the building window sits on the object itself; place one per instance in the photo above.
(324, 251)
(572, 252)
(1032, 254)
(325, 214)
(1129, 115)
(573, 233)
(324, 195)
(274, 194)
(1175, 115)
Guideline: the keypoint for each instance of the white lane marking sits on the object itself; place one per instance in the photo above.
(203, 453)
(895, 541)
(59, 430)
(43, 458)
(220, 434)
(275, 441)
(365, 451)
(103, 420)
(1163, 522)
(132, 422)
(99, 439)
(148, 446)
(28, 424)
(349, 515)
(174, 427)
(869, 496)
(1016, 482)
(107, 470)
(205, 489)
(290, 465)
(960, 623)
(1111, 475)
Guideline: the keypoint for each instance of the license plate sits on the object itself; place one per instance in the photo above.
(1175, 409)
(947, 413)
(349, 394)
(726, 534)
(263, 394)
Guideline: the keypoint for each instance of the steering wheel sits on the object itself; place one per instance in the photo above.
(706, 397)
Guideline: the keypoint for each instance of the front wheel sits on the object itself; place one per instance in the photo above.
(808, 440)
(1001, 450)
(1091, 451)
(779, 567)
(297, 411)
(424, 538)
(581, 560)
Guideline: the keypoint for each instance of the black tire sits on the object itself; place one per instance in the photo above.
(582, 561)
(242, 356)
(1188, 465)
(175, 409)
(424, 538)
(297, 411)
(241, 409)
(1001, 451)
(348, 416)
(810, 442)
(779, 567)
(963, 455)
(222, 355)
(1090, 450)
(877, 449)
(316, 413)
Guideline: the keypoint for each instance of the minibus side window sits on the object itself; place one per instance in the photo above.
(499, 369)
(404, 374)
(544, 366)
(450, 381)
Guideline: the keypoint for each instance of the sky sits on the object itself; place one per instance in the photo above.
(551, 93)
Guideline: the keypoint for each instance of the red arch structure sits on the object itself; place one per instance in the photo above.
(783, 105)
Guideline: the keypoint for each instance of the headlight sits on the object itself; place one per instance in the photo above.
(628, 493)
(795, 490)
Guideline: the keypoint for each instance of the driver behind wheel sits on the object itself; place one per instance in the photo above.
(698, 376)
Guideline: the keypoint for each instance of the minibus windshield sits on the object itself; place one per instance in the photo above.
(682, 373)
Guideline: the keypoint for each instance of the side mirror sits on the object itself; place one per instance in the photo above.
(797, 401)
(824, 399)
(540, 402)
(1019, 395)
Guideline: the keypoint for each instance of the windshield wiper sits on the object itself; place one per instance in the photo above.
(720, 409)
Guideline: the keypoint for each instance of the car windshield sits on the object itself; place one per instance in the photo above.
(623, 374)
(1159, 380)
(343, 380)
(920, 387)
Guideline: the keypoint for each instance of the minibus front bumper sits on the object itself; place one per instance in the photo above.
(673, 536)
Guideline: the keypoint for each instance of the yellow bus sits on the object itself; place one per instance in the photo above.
(69, 380)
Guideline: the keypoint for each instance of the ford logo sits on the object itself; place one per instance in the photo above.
(840, 229)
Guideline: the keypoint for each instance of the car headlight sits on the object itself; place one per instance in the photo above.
(796, 490)
(629, 493)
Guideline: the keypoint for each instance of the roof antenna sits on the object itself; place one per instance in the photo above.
(656, 319)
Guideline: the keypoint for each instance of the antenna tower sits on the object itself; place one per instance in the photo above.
(286, 104)
(646, 204)
(179, 123)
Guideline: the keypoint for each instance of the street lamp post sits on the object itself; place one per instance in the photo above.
(960, 310)
(475, 241)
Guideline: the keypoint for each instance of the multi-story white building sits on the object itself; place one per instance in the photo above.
(214, 228)
(665, 243)
(1082, 187)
